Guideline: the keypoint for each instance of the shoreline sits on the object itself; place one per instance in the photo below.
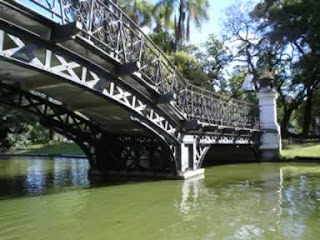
(80, 156)
(44, 155)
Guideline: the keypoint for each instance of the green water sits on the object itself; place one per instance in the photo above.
(55, 199)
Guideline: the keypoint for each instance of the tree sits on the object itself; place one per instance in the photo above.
(140, 11)
(188, 11)
(164, 40)
(13, 127)
(296, 23)
(257, 53)
(215, 60)
(162, 19)
(19, 128)
(191, 68)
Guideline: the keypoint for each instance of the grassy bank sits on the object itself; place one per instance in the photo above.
(51, 149)
(301, 150)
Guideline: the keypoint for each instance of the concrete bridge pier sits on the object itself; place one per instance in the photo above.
(270, 137)
(190, 155)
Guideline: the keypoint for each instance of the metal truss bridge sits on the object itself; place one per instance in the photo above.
(88, 72)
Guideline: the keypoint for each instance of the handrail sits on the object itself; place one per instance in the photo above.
(148, 38)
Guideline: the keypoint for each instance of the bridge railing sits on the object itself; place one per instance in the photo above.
(209, 107)
(106, 26)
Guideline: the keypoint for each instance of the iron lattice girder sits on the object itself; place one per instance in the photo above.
(53, 115)
(104, 151)
(26, 54)
(144, 152)
(109, 30)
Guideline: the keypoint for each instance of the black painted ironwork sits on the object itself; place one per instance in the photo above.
(109, 29)
(54, 115)
(104, 151)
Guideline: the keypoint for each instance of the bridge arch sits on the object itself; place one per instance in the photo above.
(104, 151)
(42, 61)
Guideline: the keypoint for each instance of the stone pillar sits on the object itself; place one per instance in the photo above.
(270, 130)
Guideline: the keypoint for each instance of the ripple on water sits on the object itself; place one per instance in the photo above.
(56, 200)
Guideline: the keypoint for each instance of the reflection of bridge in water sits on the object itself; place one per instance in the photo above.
(92, 75)
(255, 201)
(275, 198)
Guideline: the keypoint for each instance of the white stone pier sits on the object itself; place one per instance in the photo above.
(270, 129)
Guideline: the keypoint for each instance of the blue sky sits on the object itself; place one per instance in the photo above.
(214, 25)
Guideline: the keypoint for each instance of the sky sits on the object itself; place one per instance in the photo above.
(214, 25)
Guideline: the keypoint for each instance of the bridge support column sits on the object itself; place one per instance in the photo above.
(270, 130)
(190, 156)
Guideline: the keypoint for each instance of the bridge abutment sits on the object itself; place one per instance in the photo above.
(270, 137)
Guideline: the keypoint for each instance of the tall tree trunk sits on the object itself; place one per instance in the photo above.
(180, 27)
(307, 113)
(285, 121)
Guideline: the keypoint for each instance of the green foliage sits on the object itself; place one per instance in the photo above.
(38, 134)
(140, 11)
(18, 129)
(186, 12)
(215, 59)
(162, 19)
(164, 40)
(190, 67)
(292, 21)
(296, 24)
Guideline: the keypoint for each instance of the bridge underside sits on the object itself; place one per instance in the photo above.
(111, 117)
(113, 145)
(106, 151)
(120, 122)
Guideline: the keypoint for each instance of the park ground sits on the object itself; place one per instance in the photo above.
(292, 150)
(53, 148)
(304, 149)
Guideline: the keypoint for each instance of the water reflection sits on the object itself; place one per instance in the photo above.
(35, 177)
(282, 200)
(55, 199)
(299, 200)
(190, 192)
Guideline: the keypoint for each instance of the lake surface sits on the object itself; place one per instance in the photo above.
(55, 199)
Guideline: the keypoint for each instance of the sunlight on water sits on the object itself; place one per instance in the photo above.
(55, 199)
